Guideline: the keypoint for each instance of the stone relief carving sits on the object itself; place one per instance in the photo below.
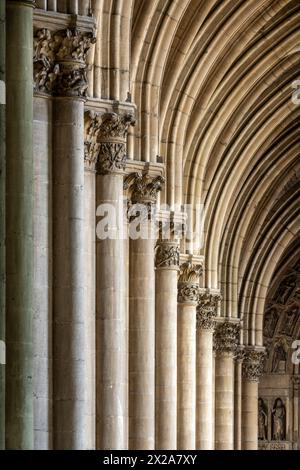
(226, 337)
(167, 255)
(262, 420)
(282, 320)
(59, 61)
(278, 421)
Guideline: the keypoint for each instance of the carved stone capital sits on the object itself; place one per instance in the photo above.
(188, 282)
(190, 273)
(240, 354)
(205, 319)
(207, 308)
(167, 255)
(143, 187)
(112, 137)
(226, 337)
(253, 364)
(60, 60)
(92, 123)
(188, 292)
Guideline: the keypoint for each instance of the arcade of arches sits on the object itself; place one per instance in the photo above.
(185, 338)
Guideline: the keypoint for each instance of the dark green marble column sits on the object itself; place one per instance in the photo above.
(19, 224)
(2, 225)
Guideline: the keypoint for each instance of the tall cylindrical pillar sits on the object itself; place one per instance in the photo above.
(111, 314)
(19, 226)
(2, 224)
(252, 369)
(238, 398)
(68, 267)
(142, 311)
(63, 76)
(167, 265)
(90, 158)
(206, 312)
(42, 264)
(188, 290)
(226, 340)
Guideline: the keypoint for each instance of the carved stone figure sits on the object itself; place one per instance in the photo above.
(279, 356)
(270, 322)
(285, 290)
(262, 420)
(278, 421)
(290, 319)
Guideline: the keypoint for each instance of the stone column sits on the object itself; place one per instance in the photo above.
(42, 267)
(188, 291)
(226, 341)
(252, 370)
(19, 226)
(92, 123)
(59, 70)
(2, 225)
(167, 265)
(238, 398)
(143, 189)
(111, 315)
(206, 312)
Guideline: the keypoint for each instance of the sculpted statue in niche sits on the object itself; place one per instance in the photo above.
(279, 358)
(278, 421)
(285, 290)
(270, 322)
(290, 319)
(262, 420)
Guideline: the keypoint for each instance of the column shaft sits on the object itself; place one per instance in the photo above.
(69, 333)
(252, 369)
(141, 345)
(19, 227)
(249, 415)
(238, 405)
(90, 304)
(2, 225)
(204, 440)
(166, 357)
(111, 327)
(42, 261)
(186, 377)
(224, 407)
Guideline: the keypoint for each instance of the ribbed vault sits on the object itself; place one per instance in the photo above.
(212, 82)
